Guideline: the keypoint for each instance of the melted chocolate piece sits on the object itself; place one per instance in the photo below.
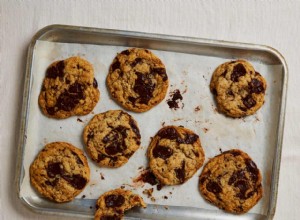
(77, 181)
(173, 102)
(125, 52)
(135, 62)
(56, 71)
(213, 187)
(237, 175)
(144, 87)
(249, 102)
(50, 110)
(256, 86)
(134, 128)
(238, 71)
(95, 83)
(52, 183)
(161, 72)
(110, 217)
(148, 177)
(162, 152)
(71, 97)
(78, 160)
(224, 73)
(252, 169)
(132, 99)
(243, 187)
(115, 65)
(54, 169)
(100, 157)
(168, 133)
(112, 201)
(116, 139)
(235, 153)
(180, 172)
(189, 139)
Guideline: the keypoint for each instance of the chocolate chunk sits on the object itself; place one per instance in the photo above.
(95, 83)
(116, 65)
(71, 97)
(110, 217)
(52, 183)
(144, 87)
(249, 102)
(180, 172)
(224, 73)
(112, 201)
(240, 174)
(132, 99)
(148, 177)
(252, 169)
(78, 160)
(90, 135)
(238, 71)
(243, 186)
(256, 86)
(113, 149)
(202, 180)
(100, 157)
(50, 110)
(115, 140)
(162, 152)
(54, 169)
(135, 62)
(134, 128)
(77, 181)
(213, 187)
(56, 71)
(161, 72)
(168, 133)
(125, 52)
(190, 139)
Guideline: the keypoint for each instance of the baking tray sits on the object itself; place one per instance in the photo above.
(262, 55)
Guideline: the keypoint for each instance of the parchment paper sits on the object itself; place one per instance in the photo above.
(191, 75)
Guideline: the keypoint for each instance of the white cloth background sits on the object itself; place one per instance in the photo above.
(273, 23)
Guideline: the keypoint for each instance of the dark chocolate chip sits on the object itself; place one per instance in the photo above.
(148, 177)
(100, 157)
(77, 181)
(161, 72)
(168, 133)
(112, 201)
(134, 128)
(144, 87)
(132, 99)
(95, 83)
(78, 160)
(249, 102)
(162, 152)
(256, 86)
(56, 70)
(213, 187)
(240, 174)
(224, 73)
(175, 97)
(54, 169)
(180, 172)
(116, 65)
(50, 110)
(113, 148)
(243, 186)
(125, 52)
(71, 97)
(238, 71)
(189, 139)
(252, 169)
(115, 140)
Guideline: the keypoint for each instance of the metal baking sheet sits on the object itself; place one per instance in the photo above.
(190, 63)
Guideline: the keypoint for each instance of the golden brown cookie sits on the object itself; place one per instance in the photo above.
(137, 79)
(60, 172)
(69, 88)
(231, 181)
(175, 154)
(111, 138)
(238, 88)
(112, 205)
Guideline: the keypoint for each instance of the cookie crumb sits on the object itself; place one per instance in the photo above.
(163, 124)
(205, 130)
(122, 187)
(102, 176)
(166, 207)
(91, 207)
(175, 99)
(220, 149)
(148, 192)
(83, 196)
(153, 199)
(165, 197)
(197, 109)
(79, 120)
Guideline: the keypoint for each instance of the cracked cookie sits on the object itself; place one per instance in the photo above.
(60, 172)
(112, 205)
(137, 79)
(231, 181)
(175, 154)
(69, 88)
(238, 88)
(111, 138)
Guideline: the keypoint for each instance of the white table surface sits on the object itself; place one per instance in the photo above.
(273, 23)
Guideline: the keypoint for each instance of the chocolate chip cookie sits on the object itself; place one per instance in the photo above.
(238, 88)
(69, 88)
(137, 79)
(60, 172)
(231, 181)
(175, 154)
(113, 204)
(111, 138)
